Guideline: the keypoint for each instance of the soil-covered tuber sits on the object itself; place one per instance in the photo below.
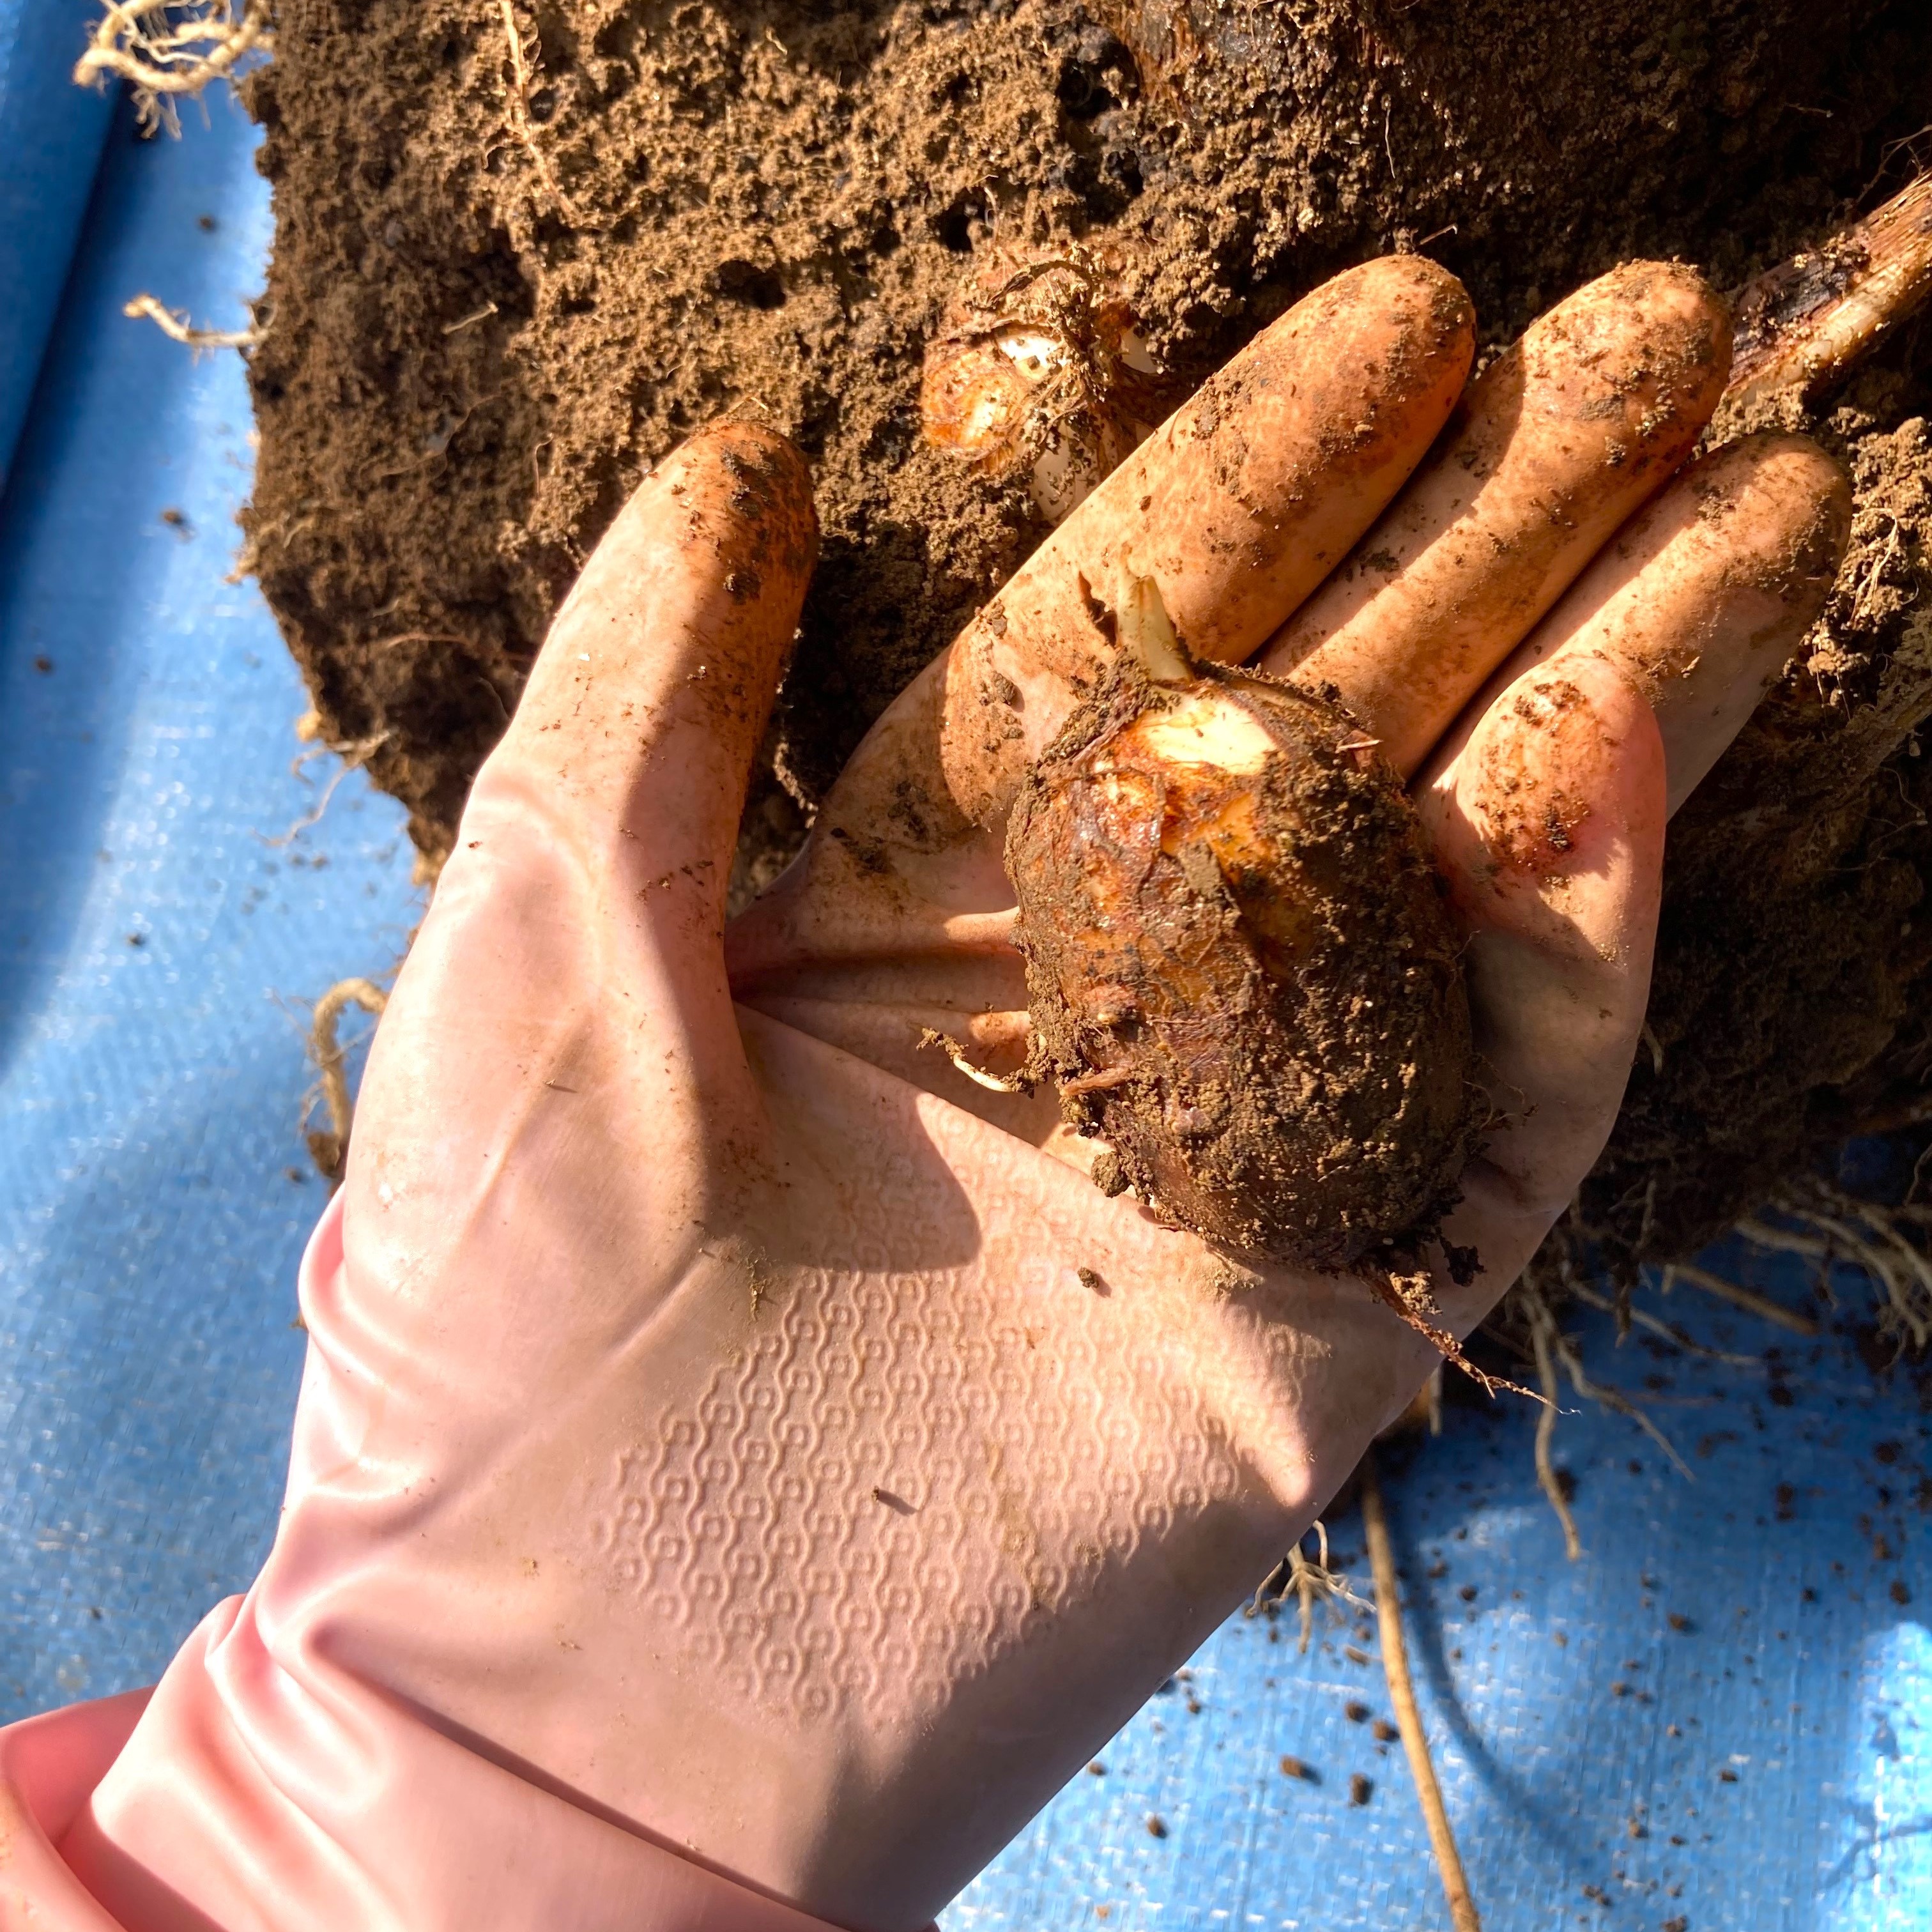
(1038, 360)
(1240, 968)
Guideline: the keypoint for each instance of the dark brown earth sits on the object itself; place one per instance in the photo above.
(492, 305)
(1792, 1006)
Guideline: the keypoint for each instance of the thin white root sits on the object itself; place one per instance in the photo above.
(1552, 1350)
(1308, 1581)
(1615, 1398)
(525, 64)
(1835, 1227)
(1541, 1323)
(994, 1083)
(482, 314)
(167, 48)
(1407, 1716)
(1656, 1045)
(1642, 1318)
(177, 328)
(1315, 1583)
(355, 753)
(329, 1147)
(1748, 1299)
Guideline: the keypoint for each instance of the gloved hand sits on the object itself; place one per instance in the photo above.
(744, 1466)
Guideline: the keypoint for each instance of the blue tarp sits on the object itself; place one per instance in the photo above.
(50, 134)
(163, 926)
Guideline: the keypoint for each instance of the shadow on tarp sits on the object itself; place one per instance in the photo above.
(121, 431)
(1762, 1621)
(51, 132)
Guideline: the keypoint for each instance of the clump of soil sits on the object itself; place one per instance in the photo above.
(1792, 1006)
(1241, 970)
(507, 279)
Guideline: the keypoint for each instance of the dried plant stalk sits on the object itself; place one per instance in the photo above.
(1803, 325)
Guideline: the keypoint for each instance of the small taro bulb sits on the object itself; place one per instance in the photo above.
(1039, 369)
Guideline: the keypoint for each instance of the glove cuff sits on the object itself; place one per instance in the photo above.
(48, 1768)
(233, 1796)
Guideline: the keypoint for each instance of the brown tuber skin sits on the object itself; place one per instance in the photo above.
(1241, 970)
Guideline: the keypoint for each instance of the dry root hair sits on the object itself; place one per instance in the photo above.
(329, 1147)
(1310, 1581)
(526, 63)
(1819, 1221)
(165, 49)
(176, 325)
(1811, 1218)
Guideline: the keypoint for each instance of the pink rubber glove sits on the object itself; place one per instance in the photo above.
(743, 1469)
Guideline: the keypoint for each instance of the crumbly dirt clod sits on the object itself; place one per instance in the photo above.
(1241, 970)
(507, 279)
(1792, 1003)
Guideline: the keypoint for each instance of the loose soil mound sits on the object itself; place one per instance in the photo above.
(506, 279)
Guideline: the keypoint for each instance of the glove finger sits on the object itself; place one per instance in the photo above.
(1547, 804)
(647, 703)
(1558, 442)
(1703, 599)
(1238, 507)
(1548, 828)
(569, 982)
